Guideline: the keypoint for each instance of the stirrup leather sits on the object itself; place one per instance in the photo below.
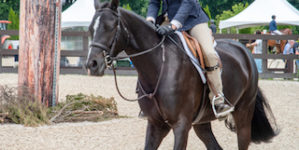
(222, 114)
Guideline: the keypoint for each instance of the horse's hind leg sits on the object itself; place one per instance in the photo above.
(154, 134)
(204, 132)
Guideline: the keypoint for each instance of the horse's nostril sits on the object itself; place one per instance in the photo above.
(94, 64)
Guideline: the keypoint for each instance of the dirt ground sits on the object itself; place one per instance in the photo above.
(129, 133)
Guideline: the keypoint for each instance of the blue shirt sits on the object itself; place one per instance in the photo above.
(288, 50)
(272, 26)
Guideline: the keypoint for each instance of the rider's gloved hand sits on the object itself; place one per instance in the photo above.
(166, 29)
(151, 20)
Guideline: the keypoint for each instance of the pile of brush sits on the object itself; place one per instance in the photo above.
(25, 109)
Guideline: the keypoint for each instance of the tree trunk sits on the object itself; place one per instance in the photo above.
(37, 49)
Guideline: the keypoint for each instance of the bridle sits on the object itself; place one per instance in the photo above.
(109, 59)
(106, 49)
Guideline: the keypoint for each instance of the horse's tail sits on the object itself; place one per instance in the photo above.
(263, 125)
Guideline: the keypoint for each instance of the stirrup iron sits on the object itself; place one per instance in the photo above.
(222, 114)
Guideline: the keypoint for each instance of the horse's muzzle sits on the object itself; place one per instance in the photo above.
(95, 67)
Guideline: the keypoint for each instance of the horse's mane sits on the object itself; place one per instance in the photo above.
(130, 13)
(138, 17)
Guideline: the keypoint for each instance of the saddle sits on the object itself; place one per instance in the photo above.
(194, 46)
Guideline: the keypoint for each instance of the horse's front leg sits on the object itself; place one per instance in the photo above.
(155, 133)
(181, 130)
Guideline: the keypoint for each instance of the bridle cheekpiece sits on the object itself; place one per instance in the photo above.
(106, 49)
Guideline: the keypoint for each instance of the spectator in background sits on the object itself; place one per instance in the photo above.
(213, 26)
(296, 44)
(289, 47)
(257, 49)
(16, 64)
(296, 48)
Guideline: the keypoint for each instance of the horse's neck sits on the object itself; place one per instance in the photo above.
(142, 37)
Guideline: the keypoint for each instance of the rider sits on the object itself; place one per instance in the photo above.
(187, 15)
(273, 27)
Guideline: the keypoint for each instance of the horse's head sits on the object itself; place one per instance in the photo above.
(105, 30)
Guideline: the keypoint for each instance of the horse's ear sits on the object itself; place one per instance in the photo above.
(96, 4)
(114, 4)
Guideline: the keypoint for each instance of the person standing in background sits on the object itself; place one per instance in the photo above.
(213, 26)
(257, 49)
(296, 47)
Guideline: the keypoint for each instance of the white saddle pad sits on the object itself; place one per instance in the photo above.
(194, 60)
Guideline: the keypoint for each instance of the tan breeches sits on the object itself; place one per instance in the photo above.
(204, 36)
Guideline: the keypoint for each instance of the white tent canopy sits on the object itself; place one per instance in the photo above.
(79, 14)
(260, 12)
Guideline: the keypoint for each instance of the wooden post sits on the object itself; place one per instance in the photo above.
(1, 46)
(85, 48)
(37, 48)
(264, 61)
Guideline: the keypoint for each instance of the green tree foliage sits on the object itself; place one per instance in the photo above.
(67, 4)
(295, 3)
(4, 8)
(218, 6)
(207, 10)
(139, 7)
(222, 8)
(5, 5)
(237, 8)
(14, 18)
(127, 7)
(14, 25)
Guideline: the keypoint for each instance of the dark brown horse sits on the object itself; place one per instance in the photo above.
(281, 45)
(162, 67)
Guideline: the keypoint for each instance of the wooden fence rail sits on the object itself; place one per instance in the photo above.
(267, 72)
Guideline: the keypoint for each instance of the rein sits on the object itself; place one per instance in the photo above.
(109, 59)
(148, 95)
(141, 53)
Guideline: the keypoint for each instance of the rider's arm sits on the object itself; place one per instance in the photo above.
(153, 9)
(183, 13)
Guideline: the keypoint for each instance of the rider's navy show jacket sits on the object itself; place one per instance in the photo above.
(272, 26)
(187, 12)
